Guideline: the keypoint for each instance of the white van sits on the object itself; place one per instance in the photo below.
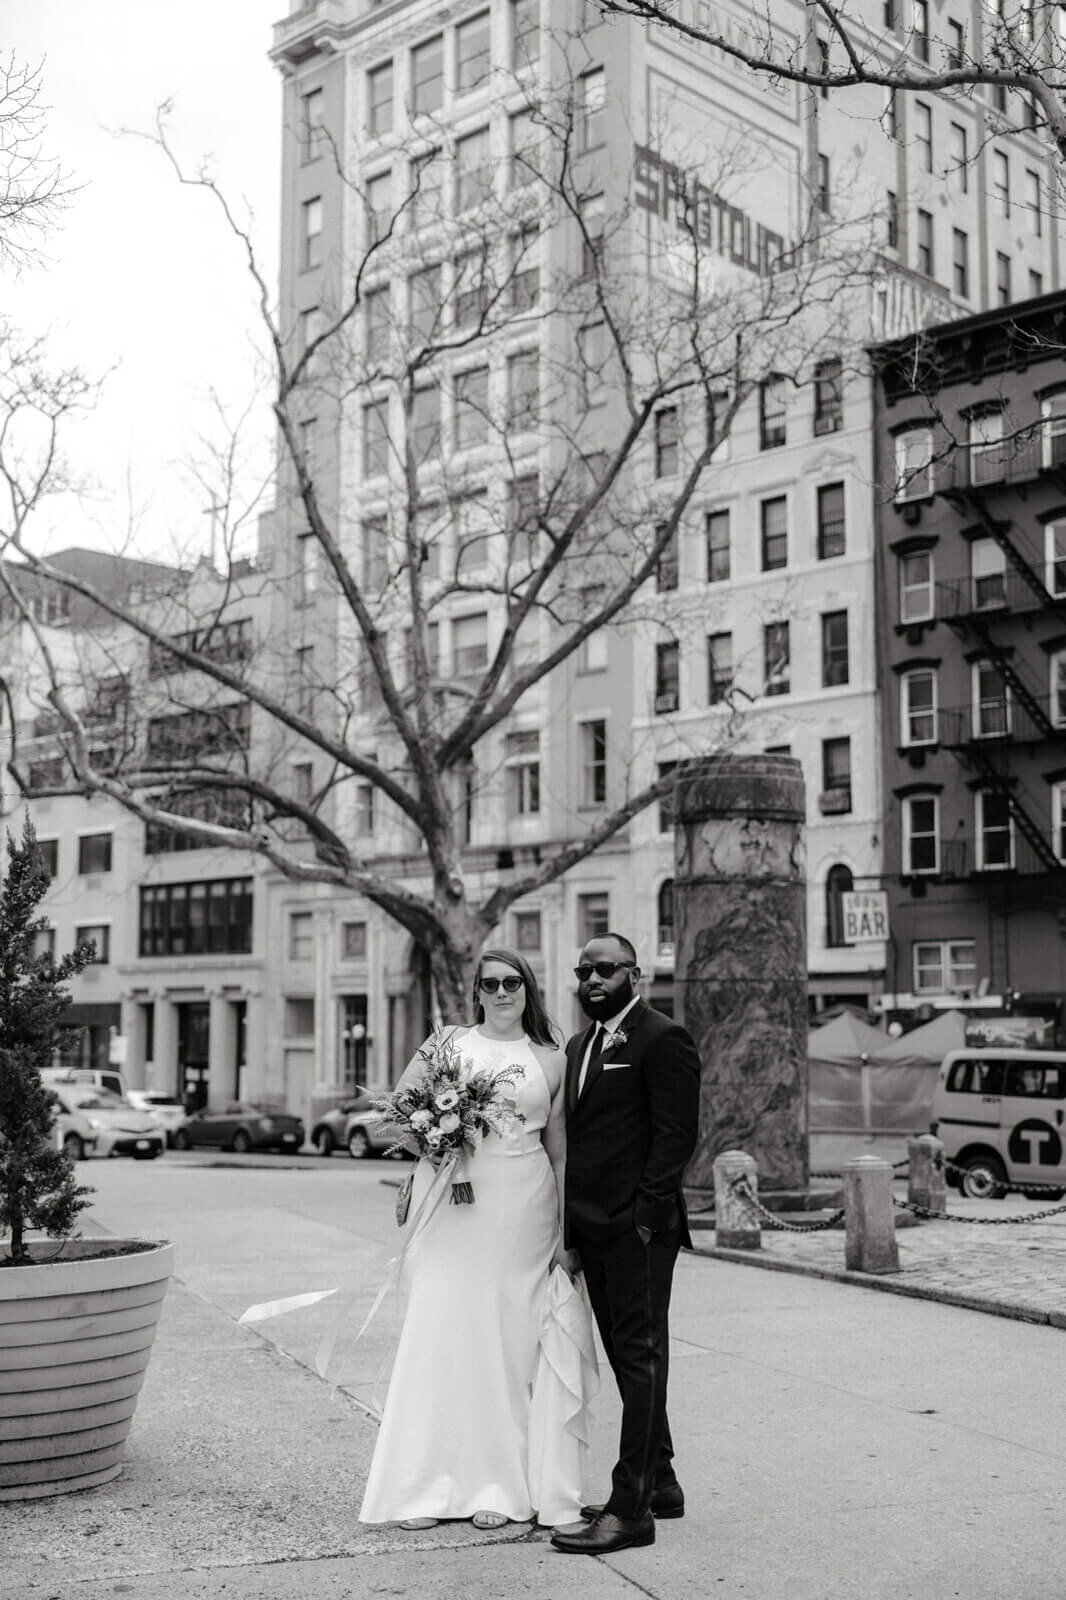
(1001, 1115)
(98, 1077)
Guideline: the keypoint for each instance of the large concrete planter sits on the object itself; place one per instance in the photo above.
(75, 1337)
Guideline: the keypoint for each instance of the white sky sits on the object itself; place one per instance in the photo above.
(141, 275)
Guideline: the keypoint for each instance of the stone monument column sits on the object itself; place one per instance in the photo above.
(740, 965)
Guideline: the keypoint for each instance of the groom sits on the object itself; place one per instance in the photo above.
(632, 1115)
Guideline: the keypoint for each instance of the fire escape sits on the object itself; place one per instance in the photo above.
(977, 610)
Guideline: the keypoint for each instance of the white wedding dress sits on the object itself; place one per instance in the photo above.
(472, 1367)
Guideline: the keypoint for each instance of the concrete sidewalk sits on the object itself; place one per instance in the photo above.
(832, 1442)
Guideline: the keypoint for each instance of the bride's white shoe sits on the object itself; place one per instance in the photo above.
(489, 1519)
(415, 1524)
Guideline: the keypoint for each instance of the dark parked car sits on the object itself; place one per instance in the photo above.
(240, 1125)
(330, 1132)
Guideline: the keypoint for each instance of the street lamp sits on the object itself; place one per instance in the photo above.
(356, 1042)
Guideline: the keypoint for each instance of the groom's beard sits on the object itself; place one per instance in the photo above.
(600, 1009)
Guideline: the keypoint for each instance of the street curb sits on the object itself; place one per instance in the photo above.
(887, 1284)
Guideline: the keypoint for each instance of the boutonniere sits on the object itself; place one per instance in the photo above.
(612, 1040)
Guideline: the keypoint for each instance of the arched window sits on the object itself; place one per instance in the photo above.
(665, 936)
(838, 881)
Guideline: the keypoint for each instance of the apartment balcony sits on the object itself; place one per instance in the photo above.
(966, 857)
(309, 30)
(997, 595)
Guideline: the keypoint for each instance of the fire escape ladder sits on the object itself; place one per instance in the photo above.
(1000, 532)
(992, 771)
(1018, 686)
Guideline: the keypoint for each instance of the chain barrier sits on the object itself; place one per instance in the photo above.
(1003, 1185)
(742, 1189)
(980, 1222)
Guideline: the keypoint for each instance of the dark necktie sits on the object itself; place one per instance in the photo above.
(594, 1055)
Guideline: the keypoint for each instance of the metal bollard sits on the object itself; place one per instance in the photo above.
(736, 1225)
(927, 1182)
(869, 1227)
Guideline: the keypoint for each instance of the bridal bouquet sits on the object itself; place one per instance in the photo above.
(448, 1112)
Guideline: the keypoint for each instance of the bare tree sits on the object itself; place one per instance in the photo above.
(33, 187)
(492, 428)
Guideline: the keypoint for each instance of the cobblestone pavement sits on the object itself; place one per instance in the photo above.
(1016, 1269)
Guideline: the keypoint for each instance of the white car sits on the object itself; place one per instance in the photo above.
(167, 1109)
(119, 1129)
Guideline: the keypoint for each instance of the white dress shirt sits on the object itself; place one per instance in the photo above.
(594, 1039)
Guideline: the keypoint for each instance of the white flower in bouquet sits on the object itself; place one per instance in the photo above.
(433, 1137)
(446, 1100)
(421, 1119)
(449, 1122)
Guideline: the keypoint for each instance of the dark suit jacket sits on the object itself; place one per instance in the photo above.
(630, 1136)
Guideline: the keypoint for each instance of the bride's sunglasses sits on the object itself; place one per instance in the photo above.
(490, 985)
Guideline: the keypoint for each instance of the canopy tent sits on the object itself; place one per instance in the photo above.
(838, 1099)
(929, 1044)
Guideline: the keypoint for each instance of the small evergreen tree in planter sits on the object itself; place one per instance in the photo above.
(38, 1188)
(78, 1323)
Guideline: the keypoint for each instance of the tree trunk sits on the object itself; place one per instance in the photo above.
(453, 960)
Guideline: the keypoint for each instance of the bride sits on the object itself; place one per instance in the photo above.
(455, 1437)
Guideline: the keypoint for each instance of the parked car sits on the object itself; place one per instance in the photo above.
(240, 1125)
(74, 1132)
(1002, 1117)
(365, 1134)
(119, 1129)
(167, 1109)
(330, 1131)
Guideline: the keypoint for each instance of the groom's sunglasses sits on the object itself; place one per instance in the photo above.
(602, 969)
(490, 985)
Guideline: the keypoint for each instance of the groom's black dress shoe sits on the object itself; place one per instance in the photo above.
(667, 1502)
(607, 1533)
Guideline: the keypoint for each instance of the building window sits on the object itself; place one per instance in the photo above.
(592, 652)
(188, 919)
(591, 101)
(891, 119)
(836, 776)
(471, 408)
(916, 586)
(313, 109)
(379, 100)
(364, 810)
(719, 667)
(593, 917)
(891, 219)
(525, 271)
(303, 782)
(94, 852)
(667, 676)
(1036, 284)
(834, 648)
(1001, 182)
(920, 29)
(923, 134)
(776, 659)
(473, 52)
(48, 855)
(988, 575)
(44, 946)
(424, 305)
(1003, 288)
(824, 189)
(353, 941)
(945, 966)
(98, 934)
(960, 263)
(427, 189)
(592, 358)
(716, 529)
(378, 206)
(1057, 677)
(299, 1020)
(838, 882)
(472, 290)
(666, 567)
(664, 942)
(375, 553)
(1034, 204)
(991, 701)
(828, 396)
(1055, 556)
(995, 831)
(473, 170)
(525, 34)
(1058, 820)
(667, 452)
(523, 391)
(301, 935)
(592, 221)
(470, 645)
(773, 413)
(425, 423)
(921, 834)
(377, 327)
(527, 937)
(305, 681)
(523, 774)
(427, 75)
(914, 464)
(375, 441)
(666, 801)
(955, 45)
(524, 149)
(831, 531)
(312, 232)
(773, 515)
(1053, 429)
(925, 242)
(593, 737)
(960, 158)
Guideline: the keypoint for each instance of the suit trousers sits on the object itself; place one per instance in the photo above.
(629, 1286)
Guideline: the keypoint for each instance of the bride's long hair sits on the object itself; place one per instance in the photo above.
(535, 1019)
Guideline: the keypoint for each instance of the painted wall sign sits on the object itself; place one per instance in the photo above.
(679, 197)
(865, 914)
